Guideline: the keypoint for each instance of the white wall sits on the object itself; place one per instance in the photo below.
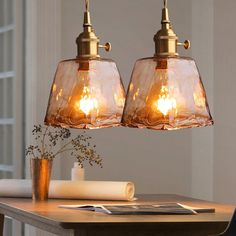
(43, 50)
(196, 162)
(158, 162)
(203, 139)
(224, 102)
(199, 162)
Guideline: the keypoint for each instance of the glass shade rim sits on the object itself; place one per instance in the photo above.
(209, 123)
(88, 59)
(167, 57)
(82, 125)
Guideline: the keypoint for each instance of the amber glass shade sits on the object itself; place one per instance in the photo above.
(166, 94)
(86, 94)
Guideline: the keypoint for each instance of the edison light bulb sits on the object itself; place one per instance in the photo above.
(83, 99)
(165, 102)
(86, 104)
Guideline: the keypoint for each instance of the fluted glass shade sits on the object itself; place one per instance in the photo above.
(86, 94)
(166, 94)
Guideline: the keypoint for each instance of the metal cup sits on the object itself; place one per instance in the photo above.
(40, 174)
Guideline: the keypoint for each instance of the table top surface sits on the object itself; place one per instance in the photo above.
(49, 212)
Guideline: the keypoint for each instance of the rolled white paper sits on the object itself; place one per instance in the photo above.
(94, 190)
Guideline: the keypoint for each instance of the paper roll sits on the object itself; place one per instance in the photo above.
(94, 190)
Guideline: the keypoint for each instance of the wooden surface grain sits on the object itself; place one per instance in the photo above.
(48, 216)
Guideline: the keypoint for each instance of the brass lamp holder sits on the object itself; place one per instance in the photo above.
(87, 42)
(166, 41)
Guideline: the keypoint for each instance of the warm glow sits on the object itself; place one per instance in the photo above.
(165, 103)
(54, 88)
(59, 95)
(86, 94)
(199, 100)
(119, 99)
(86, 104)
(136, 94)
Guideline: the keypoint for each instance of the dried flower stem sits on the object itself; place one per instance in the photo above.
(43, 140)
(49, 139)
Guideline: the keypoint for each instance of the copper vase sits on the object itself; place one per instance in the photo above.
(40, 174)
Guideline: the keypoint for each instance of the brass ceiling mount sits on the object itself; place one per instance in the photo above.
(87, 42)
(166, 41)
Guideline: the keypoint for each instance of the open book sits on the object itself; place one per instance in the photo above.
(137, 209)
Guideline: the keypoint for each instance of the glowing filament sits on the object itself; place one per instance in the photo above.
(86, 104)
(165, 103)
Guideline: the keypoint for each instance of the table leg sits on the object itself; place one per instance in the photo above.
(1, 224)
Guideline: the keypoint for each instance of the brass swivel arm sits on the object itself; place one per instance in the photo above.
(166, 41)
(87, 42)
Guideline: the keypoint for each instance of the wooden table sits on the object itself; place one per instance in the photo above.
(47, 216)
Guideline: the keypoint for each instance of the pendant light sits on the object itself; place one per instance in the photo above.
(166, 91)
(87, 91)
